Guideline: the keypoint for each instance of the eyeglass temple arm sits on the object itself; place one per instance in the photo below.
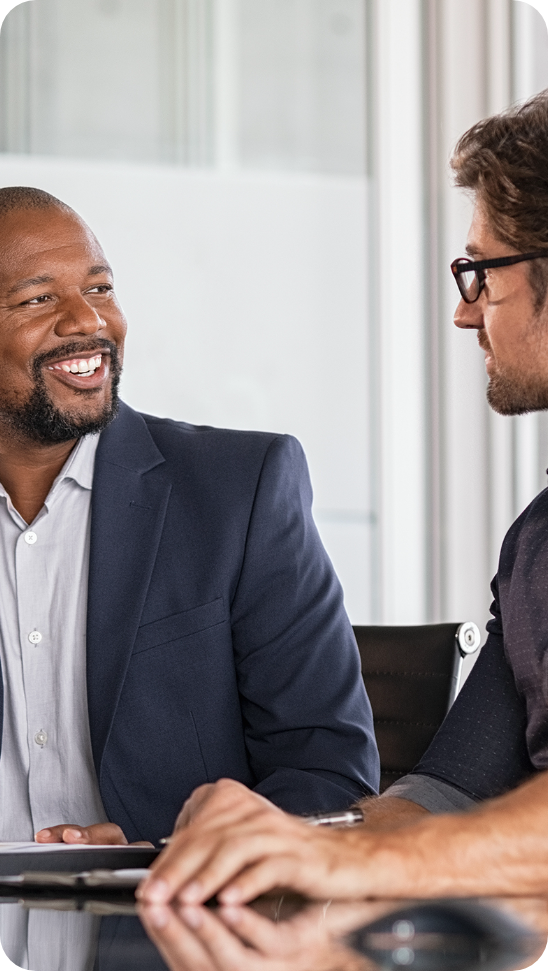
(470, 265)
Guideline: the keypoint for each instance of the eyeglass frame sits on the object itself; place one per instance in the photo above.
(464, 265)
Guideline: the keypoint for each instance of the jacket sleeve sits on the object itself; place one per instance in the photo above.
(307, 720)
(481, 747)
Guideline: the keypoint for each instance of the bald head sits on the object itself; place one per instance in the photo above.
(15, 198)
(31, 217)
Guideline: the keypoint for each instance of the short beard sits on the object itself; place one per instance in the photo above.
(38, 420)
(513, 392)
(510, 394)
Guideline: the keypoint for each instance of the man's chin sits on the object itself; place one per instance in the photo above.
(511, 396)
(39, 420)
(57, 427)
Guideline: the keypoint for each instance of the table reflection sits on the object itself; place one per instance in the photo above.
(446, 935)
(71, 932)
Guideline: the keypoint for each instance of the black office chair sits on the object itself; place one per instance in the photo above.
(412, 676)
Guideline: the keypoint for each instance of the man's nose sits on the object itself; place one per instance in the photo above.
(76, 316)
(469, 315)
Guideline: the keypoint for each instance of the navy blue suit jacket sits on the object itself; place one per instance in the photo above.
(217, 642)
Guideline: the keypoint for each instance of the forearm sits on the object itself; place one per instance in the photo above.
(500, 847)
(239, 845)
(386, 812)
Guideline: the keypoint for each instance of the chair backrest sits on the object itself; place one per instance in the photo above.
(411, 675)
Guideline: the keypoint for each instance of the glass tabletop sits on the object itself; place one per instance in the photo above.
(43, 931)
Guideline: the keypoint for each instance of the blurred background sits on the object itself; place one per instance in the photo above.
(270, 180)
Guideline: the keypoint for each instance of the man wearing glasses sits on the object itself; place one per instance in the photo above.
(472, 817)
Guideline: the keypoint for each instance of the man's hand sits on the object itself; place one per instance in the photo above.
(238, 939)
(238, 845)
(197, 801)
(99, 834)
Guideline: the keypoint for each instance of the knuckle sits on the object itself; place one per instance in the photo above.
(228, 788)
(200, 791)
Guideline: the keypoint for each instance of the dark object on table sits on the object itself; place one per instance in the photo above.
(446, 935)
(75, 861)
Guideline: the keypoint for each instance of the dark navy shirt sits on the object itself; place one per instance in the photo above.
(496, 734)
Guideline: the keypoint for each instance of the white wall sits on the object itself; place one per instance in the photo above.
(319, 304)
(396, 317)
(246, 301)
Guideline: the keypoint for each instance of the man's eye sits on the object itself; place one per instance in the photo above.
(37, 300)
(101, 288)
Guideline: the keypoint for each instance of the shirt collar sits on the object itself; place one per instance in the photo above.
(78, 468)
(80, 463)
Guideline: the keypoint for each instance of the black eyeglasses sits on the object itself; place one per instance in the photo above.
(470, 275)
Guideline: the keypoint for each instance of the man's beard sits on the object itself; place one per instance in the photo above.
(38, 420)
(513, 393)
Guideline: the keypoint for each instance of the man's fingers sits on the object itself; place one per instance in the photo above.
(194, 871)
(225, 949)
(268, 874)
(198, 864)
(308, 862)
(235, 860)
(97, 834)
(63, 833)
(54, 834)
(242, 861)
(178, 945)
(176, 867)
(101, 834)
(198, 798)
(222, 803)
(259, 932)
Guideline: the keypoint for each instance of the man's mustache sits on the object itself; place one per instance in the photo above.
(74, 349)
(483, 341)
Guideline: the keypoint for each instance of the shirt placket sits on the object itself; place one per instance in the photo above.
(34, 597)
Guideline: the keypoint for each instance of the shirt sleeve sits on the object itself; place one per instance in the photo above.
(432, 794)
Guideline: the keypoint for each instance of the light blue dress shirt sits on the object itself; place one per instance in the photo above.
(47, 775)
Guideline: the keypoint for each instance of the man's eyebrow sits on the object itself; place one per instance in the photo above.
(37, 281)
(471, 250)
(34, 281)
(100, 268)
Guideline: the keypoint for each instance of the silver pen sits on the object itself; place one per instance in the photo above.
(345, 817)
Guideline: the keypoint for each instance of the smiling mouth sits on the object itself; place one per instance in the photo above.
(83, 367)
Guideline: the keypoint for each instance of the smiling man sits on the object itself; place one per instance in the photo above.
(491, 754)
(168, 614)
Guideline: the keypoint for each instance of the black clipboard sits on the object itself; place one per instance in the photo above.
(84, 858)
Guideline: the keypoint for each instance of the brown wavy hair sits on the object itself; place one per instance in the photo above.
(504, 161)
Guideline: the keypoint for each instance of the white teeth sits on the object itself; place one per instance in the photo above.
(80, 367)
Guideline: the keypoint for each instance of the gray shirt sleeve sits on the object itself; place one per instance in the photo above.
(431, 794)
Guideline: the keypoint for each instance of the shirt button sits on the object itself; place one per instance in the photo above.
(35, 637)
(41, 738)
(30, 537)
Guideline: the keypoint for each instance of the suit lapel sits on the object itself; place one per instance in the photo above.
(128, 507)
